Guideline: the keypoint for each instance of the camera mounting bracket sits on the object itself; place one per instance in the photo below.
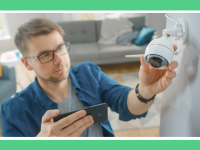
(179, 31)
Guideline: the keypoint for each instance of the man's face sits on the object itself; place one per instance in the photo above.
(56, 70)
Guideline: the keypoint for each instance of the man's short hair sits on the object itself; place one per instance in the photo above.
(33, 28)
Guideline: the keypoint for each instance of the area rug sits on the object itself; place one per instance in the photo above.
(153, 117)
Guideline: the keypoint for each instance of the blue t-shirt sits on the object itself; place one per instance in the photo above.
(21, 115)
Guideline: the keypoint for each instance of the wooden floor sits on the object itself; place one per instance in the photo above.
(24, 78)
(147, 132)
(121, 68)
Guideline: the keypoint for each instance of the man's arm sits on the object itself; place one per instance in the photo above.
(135, 106)
(70, 126)
(8, 129)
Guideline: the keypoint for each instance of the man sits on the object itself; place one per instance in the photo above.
(58, 88)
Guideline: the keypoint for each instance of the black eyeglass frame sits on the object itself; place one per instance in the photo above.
(53, 53)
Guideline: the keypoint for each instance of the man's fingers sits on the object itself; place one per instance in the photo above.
(144, 66)
(166, 82)
(175, 47)
(170, 74)
(69, 119)
(82, 123)
(80, 130)
(47, 117)
(167, 78)
(173, 65)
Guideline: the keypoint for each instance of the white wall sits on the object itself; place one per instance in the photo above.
(13, 21)
(61, 17)
(181, 101)
(156, 21)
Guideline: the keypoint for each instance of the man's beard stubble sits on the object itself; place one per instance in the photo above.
(56, 79)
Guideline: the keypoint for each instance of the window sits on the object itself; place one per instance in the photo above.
(102, 16)
(3, 28)
(87, 16)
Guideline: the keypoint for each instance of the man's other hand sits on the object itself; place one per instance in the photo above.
(70, 126)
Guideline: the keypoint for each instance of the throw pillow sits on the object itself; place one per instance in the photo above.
(127, 38)
(112, 28)
(144, 36)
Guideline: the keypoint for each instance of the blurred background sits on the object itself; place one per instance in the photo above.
(9, 22)
(102, 38)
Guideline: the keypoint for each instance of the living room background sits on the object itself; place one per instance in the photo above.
(12, 20)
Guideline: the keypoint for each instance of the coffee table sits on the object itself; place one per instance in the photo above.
(11, 58)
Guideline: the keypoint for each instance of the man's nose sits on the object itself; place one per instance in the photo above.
(57, 58)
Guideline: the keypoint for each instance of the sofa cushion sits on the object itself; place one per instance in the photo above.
(127, 38)
(116, 51)
(79, 31)
(138, 22)
(84, 52)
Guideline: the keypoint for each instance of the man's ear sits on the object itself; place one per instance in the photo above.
(26, 63)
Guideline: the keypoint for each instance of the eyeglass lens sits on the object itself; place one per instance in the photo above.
(48, 56)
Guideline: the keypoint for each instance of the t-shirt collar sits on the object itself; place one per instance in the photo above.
(44, 99)
(74, 81)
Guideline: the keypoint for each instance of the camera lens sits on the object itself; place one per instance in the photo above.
(156, 61)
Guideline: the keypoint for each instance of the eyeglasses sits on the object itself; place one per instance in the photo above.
(49, 56)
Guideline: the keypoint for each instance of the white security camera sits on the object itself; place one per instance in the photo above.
(160, 52)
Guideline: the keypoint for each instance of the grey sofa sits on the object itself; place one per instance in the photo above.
(84, 35)
(7, 84)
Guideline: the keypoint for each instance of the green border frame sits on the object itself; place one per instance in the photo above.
(100, 5)
(99, 144)
(103, 5)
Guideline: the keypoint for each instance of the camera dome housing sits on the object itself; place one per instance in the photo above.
(159, 53)
(156, 61)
